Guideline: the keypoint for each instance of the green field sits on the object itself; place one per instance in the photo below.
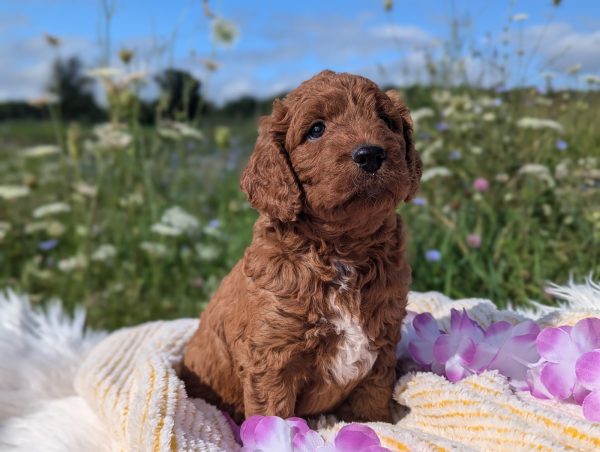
(141, 223)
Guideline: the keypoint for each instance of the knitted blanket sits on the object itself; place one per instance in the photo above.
(129, 381)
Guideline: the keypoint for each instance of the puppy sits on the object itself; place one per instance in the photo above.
(307, 322)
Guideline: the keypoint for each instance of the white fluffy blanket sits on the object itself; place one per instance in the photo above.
(64, 389)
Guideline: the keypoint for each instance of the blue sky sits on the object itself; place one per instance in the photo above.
(283, 42)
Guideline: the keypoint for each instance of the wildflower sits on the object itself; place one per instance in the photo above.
(104, 72)
(110, 136)
(10, 192)
(539, 171)
(222, 137)
(47, 245)
(476, 150)
(126, 55)
(501, 177)
(437, 171)
(178, 130)
(474, 240)
(224, 32)
(86, 189)
(433, 255)
(133, 199)
(104, 253)
(35, 227)
(55, 228)
(421, 113)
(442, 126)
(77, 262)
(574, 69)
(537, 124)
(419, 201)
(51, 209)
(520, 17)
(561, 145)
(154, 249)
(591, 79)
(489, 116)
(207, 252)
(40, 151)
(4, 228)
(456, 154)
(214, 223)
(481, 184)
(176, 221)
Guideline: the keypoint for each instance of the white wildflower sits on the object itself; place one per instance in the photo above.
(154, 249)
(9, 192)
(539, 123)
(103, 253)
(51, 209)
(110, 136)
(105, 72)
(591, 79)
(77, 262)
(133, 199)
(176, 221)
(40, 151)
(86, 189)
(4, 228)
(427, 152)
(207, 252)
(178, 130)
(539, 171)
(437, 171)
(562, 170)
(35, 227)
(476, 150)
(224, 32)
(489, 116)
(421, 114)
(520, 17)
(55, 229)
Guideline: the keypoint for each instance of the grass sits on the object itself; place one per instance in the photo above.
(109, 246)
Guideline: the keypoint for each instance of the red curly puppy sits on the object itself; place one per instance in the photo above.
(307, 322)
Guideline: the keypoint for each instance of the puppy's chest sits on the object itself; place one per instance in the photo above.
(352, 356)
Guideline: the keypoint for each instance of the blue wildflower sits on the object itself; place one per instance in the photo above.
(561, 145)
(442, 126)
(433, 255)
(214, 223)
(455, 155)
(47, 245)
(419, 201)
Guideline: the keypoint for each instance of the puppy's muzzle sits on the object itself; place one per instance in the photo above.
(369, 158)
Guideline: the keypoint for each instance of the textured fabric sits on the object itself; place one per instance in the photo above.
(130, 381)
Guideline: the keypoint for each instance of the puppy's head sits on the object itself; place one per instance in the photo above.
(336, 147)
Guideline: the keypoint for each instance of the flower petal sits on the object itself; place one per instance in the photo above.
(586, 334)
(273, 433)
(559, 379)
(591, 407)
(247, 430)
(554, 345)
(445, 346)
(426, 326)
(421, 351)
(580, 393)
(587, 370)
(298, 425)
(536, 387)
(455, 370)
(498, 333)
(307, 441)
(355, 437)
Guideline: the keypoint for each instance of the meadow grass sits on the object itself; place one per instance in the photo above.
(142, 223)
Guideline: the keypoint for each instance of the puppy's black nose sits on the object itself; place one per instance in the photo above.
(369, 158)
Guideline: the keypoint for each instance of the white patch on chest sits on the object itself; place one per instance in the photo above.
(344, 274)
(353, 358)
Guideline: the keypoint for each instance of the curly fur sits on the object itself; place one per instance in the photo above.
(307, 322)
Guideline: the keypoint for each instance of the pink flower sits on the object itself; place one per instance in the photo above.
(481, 184)
(427, 331)
(457, 348)
(561, 348)
(474, 240)
(587, 370)
(509, 349)
(272, 433)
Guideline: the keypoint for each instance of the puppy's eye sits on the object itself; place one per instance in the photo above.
(316, 131)
(389, 122)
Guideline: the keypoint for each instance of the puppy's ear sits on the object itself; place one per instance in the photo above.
(413, 162)
(268, 179)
